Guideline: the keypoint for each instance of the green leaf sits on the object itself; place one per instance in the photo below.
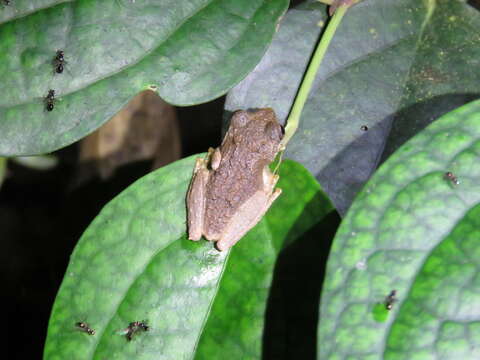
(20, 8)
(412, 230)
(404, 62)
(187, 51)
(135, 263)
(442, 77)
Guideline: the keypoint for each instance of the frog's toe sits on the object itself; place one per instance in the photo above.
(222, 245)
(194, 235)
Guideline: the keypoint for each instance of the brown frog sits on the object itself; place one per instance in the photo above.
(233, 187)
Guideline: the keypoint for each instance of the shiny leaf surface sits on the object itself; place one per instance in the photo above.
(134, 263)
(189, 52)
(413, 229)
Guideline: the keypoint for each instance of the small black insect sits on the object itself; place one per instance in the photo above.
(390, 300)
(59, 61)
(453, 179)
(134, 327)
(143, 325)
(364, 128)
(6, 2)
(85, 328)
(50, 100)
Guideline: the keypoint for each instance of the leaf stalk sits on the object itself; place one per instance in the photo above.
(306, 85)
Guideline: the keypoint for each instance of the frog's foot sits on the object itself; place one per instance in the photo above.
(215, 158)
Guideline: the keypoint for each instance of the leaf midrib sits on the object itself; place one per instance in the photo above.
(121, 300)
(210, 306)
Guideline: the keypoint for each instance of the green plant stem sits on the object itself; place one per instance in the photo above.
(306, 85)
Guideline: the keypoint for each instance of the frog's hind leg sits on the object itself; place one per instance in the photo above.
(196, 200)
(246, 218)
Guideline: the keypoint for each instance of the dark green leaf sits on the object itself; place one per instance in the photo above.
(135, 263)
(403, 60)
(188, 51)
(443, 76)
(413, 230)
(20, 8)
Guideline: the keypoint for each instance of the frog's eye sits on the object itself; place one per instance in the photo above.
(274, 131)
(240, 119)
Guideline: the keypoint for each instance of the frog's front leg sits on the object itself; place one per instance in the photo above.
(196, 198)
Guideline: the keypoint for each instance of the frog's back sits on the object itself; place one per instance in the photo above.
(250, 144)
(229, 188)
